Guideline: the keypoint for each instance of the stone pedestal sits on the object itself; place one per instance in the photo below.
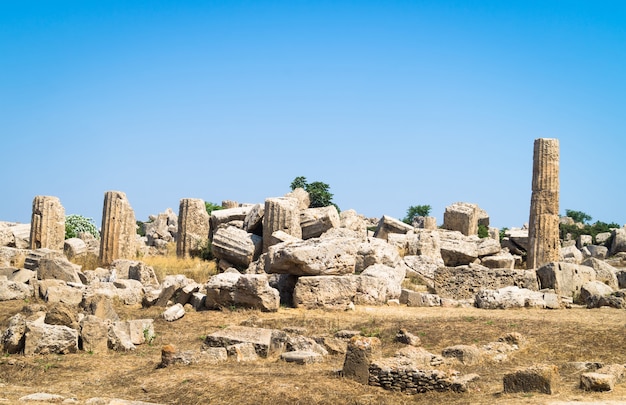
(543, 236)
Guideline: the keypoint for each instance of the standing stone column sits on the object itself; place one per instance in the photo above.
(543, 237)
(193, 227)
(47, 224)
(281, 214)
(119, 229)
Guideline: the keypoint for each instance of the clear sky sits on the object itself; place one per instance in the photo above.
(392, 103)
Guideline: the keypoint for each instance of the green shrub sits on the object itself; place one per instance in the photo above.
(503, 233)
(210, 207)
(416, 211)
(75, 224)
(319, 193)
(483, 231)
(578, 216)
(594, 229)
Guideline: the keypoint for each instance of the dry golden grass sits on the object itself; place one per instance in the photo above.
(554, 337)
(194, 268)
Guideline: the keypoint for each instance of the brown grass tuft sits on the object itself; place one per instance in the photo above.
(194, 268)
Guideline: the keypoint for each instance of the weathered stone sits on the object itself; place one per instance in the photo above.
(419, 299)
(407, 338)
(253, 222)
(360, 353)
(220, 290)
(94, 334)
(139, 331)
(62, 314)
(543, 235)
(315, 221)
(236, 246)
(597, 382)
(58, 268)
(228, 216)
(281, 214)
(99, 304)
(60, 292)
(618, 243)
(12, 290)
(254, 291)
(47, 224)
(584, 240)
(597, 252)
(571, 254)
(457, 249)
(503, 260)
(13, 336)
(467, 354)
(333, 292)
(604, 272)
(461, 217)
(540, 378)
(565, 279)
(423, 268)
(371, 290)
(318, 256)
(74, 247)
(285, 284)
(515, 297)
(119, 340)
(213, 355)
(465, 282)
(371, 252)
(43, 397)
(118, 235)
(302, 357)
(425, 243)
(49, 339)
(174, 313)
(261, 338)
(591, 289)
(350, 219)
(161, 229)
(392, 276)
(170, 288)
(388, 225)
(242, 352)
(193, 227)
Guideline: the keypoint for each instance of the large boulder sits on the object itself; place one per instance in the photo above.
(315, 221)
(246, 290)
(41, 338)
(464, 282)
(422, 267)
(376, 251)
(313, 257)
(619, 241)
(392, 276)
(565, 279)
(604, 272)
(388, 225)
(457, 249)
(236, 246)
(11, 290)
(58, 268)
(515, 297)
(339, 292)
(462, 217)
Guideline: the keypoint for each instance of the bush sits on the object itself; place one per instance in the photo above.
(319, 193)
(594, 229)
(483, 231)
(75, 224)
(416, 211)
(210, 207)
(578, 216)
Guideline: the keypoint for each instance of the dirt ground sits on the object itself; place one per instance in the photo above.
(554, 337)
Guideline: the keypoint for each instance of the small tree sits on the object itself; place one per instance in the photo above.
(210, 207)
(416, 211)
(319, 193)
(578, 216)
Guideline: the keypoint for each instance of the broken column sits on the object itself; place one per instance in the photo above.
(543, 236)
(119, 228)
(47, 224)
(281, 214)
(193, 227)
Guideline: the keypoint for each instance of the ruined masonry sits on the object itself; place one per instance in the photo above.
(193, 227)
(544, 243)
(119, 232)
(281, 214)
(47, 225)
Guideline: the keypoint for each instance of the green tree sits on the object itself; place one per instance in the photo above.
(319, 192)
(75, 224)
(416, 211)
(210, 207)
(578, 216)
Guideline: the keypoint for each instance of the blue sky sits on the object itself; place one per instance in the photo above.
(391, 103)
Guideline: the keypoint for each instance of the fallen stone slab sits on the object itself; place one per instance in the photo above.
(261, 338)
(597, 382)
(302, 357)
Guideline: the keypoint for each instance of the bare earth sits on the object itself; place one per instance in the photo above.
(554, 337)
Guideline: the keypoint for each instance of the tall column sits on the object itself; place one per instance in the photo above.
(543, 237)
(193, 227)
(119, 229)
(47, 223)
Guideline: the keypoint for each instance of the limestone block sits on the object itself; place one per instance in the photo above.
(242, 352)
(198, 301)
(193, 227)
(361, 352)
(62, 314)
(461, 217)
(139, 331)
(503, 260)
(456, 249)
(350, 219)
(392, 276)
(58, 268)
(371, 290)
(565, 279)
(315, 221)
(236, 246)
(142, 273)
(407, 338)
(374, 251)
(469, 355)
(119, 339)
(285, 284)
(174, 313)
(422, 267)
(425, 243)
(388, 225)
(119, 229)
(253, 222)
(47, 225)
(62, 293)
(597, 382)
(619, 241)
(591, 289)
(318, 256)
(13, 336)
(12, 290)
(213, 355)
(331, 292)
(464, 282)
(23, 276)
(584, 240)
(260, 338)
(49, 339)
(488, 247)
(303, 197)
(515, 297)
(602, 237)
(595, 251)
(20, 236)
(99, 304)
(254, 291)
(571, 254)
(223, 217)
(281, 214)
(540, 378)
(419, 299)
(220, 290)
(74, 247)
(94, 334)
(301, 357)
(170, 288)
(604, 272)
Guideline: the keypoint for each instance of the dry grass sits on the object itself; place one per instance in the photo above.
(194, 268)
(554, 337)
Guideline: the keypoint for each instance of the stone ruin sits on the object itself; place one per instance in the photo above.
(281, 252)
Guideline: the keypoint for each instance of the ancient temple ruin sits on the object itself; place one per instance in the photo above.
(47, 225)
(543, 237)
(119, 228)
(193, 227)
